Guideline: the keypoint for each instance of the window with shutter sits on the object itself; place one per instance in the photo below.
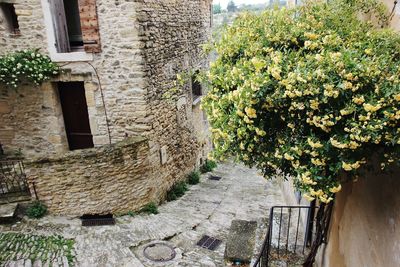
(90, 25)
(60, 26)
(76, 26)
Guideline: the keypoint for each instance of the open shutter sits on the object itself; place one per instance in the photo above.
(60, 26)
(89, 26)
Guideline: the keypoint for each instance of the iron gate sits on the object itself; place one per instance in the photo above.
(13, 179)
(294, 234)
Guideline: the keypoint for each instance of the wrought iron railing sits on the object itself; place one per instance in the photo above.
(13, 180)
(293, 234)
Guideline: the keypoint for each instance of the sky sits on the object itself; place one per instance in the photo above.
(224, 3)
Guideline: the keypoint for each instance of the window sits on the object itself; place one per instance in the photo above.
(75, 26)
(10, 17)
(197, 90)
(73, 21)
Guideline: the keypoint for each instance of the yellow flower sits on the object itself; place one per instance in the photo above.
(242, 146)
(348, 85)
(314, 104)
(325, 199)
(260, 132)
(368, 51)
(251, 112)
(311, 36)
(358, 100)
(337, 144)
(288, 157)
(345, 112)
(371, 108)
(240, 113)
(318, 162)
(336, 189)
(346, 166)
(397, 97)
(275, 72)
(308, 197)
(314, 145)
(258, 64)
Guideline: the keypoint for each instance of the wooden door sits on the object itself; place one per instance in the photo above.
(76, 116)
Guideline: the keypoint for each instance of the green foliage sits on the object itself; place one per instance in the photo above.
(217, 9)
(35, 247)
(231, 6)
(208, 166)
(27, 65)
(194, 178)
(131, 213)
(36, 210)
(177, 191)
(150, 208)
(313, 92)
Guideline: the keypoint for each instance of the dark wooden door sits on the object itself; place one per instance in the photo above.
(76, 116)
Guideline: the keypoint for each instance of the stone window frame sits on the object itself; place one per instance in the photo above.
(54, 54)
(196, 98)
(91, 86)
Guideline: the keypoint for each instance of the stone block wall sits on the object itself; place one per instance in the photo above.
(110, 179)
(172, 32)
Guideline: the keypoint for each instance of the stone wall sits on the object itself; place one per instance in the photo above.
(110, 179)
(365, 224)
(172, 32)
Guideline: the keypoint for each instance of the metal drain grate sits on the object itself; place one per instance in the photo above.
(97, 220)
(215, 178)
(208, 242)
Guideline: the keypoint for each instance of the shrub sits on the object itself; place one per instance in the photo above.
(150, 208)
(208, 166)
(131, 213)
(194, 178)
(176, 191)
(313, 92)
(27, 65)
(36, 210)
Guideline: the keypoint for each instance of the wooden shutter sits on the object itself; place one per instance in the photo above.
(60, 26)
(90, 26)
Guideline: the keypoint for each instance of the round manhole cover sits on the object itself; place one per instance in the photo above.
(159, 252)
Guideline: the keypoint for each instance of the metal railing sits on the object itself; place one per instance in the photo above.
(292, 234)
(13, 180)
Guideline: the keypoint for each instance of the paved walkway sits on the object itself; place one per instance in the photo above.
(206, 209)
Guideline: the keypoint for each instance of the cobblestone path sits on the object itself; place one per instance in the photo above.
(206, 209)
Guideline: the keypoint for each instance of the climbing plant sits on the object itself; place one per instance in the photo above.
(26, 66)
(313, 92)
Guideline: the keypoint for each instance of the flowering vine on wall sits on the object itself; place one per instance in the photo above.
(26, 66)
(313, 92)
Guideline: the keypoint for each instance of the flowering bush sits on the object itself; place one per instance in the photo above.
(312, 92)
(27, 65)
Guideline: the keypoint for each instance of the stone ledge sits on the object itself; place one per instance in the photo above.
(88, 153)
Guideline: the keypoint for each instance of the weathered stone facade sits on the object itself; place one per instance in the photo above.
(144, 44)
(116, 178)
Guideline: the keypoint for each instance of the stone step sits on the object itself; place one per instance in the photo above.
(8, 212)
(15, 199)
(241, 241)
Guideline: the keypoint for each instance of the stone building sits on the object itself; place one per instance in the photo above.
(100, 137)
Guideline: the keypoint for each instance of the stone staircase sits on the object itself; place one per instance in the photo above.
(9, 207)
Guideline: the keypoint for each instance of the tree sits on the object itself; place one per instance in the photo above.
(232, 6)
(217, 9)
(312, 92)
